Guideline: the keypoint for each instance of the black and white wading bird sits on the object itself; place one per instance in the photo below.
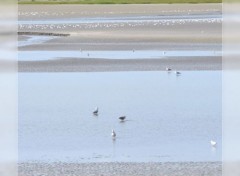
(122, 118)
(113, 134)
(177, 73)
(95, 112)
(168, 69)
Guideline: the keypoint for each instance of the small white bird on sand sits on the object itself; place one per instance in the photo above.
(213, 143)
(168, 69)
(177, 73)
(122, 118)
(95, 112)
(113, 134)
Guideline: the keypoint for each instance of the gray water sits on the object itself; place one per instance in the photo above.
(169, 117)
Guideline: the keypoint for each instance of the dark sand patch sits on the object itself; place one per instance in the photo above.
(103, 65)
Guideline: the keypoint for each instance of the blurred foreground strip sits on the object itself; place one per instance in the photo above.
(8, 88)
(230, 88)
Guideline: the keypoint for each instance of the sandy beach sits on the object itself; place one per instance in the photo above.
(121, 169)
(74, 10)
(121, 28)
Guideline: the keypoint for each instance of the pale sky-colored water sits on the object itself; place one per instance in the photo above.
(33, 40)
(169, 117)
(127, 54)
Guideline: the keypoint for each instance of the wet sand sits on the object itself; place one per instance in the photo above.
(121, 169)
(117, 35)
(99, 65)
(113, 28)
(74, 10)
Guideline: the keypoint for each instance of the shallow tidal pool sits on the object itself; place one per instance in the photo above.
(169, 117)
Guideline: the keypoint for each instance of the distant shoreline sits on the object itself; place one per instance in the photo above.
(180, 35)
(43, 34)
(105, 2)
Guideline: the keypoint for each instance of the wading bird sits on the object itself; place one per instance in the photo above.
(95, 112)
(213, 143)
(168, 69)
(113, 134)
(122, 118)
(177, 73)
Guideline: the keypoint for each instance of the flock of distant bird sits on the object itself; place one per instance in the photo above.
(122, 118)
(176, 72)
(212, 142)
(167, 68)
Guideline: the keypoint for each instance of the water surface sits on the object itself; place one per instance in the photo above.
(127, 54)
(34, 40)
(169, 117)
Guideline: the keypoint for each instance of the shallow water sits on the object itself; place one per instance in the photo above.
(129, 54)
(33, 40)
(169, 117)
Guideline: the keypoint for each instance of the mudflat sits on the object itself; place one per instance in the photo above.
(163, 27)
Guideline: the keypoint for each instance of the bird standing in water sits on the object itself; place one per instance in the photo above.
(122, 118)
(177, 73)
(213, 143)
(95, 112)
(168, 69)
(113, 134)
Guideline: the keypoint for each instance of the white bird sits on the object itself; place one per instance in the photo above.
(95, 112)
(177, 73)
(168, 69)
(213, 143)
(113, 134)
(122, 118)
